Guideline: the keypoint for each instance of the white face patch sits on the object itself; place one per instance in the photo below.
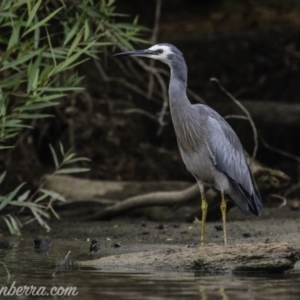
(162, 56)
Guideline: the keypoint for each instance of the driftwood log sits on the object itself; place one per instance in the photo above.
(260, 257)
(276, 112)
(118, 198)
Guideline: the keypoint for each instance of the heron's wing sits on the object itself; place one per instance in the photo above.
(228, 153)
(229, 157)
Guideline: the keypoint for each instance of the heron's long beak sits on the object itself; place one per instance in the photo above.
(145, 53)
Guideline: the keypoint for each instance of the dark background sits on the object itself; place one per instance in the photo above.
(252, 47)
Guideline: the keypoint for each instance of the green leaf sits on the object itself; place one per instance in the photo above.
(54, 156)
(42, 22)
(39, 105)
(15, 225)
(8, 198)
(77, 159)
(2, 176)
(59, 89)
(34, 116)
(33, 72)
(15, 35)
(24, 196)
(75, 42)
(41, 198)
(72, 170)
(20, 60)
(40, 220)
(12, 225)
(32, 12)
(6, 147)
(72, 32)
(54, 195)
(61, 147)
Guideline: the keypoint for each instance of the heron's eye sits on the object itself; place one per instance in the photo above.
(159, 51)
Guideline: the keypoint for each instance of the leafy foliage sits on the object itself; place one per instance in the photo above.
(41, 44)
(39, 202)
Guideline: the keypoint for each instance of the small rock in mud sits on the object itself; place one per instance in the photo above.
(117, 245)
(94, 247)
(191, 245)
(246, 235)
(41, 244)
(162, 226)
(295, 205)
(4, 245)
(219, 227)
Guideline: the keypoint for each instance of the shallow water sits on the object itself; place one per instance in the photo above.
(27, 267)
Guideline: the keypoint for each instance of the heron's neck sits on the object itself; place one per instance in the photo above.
(177, 87)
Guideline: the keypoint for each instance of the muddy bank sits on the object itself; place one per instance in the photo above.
(136, 236)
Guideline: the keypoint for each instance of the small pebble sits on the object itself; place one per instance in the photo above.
(219, 227)
(246, 235)
(191, 246)
(4, 245)
(117, 245)
(94, 247)
(41, 243)
(295, 205)
(162, 226)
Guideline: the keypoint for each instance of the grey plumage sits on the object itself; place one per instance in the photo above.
(209, 147)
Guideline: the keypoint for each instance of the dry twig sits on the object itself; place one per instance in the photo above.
(7, 271)
(276, 150)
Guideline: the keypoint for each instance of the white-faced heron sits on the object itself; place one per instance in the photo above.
(209, 147)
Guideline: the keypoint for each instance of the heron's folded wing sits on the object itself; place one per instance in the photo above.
(229, 156)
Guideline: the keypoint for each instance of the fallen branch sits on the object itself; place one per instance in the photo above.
(139, 195)
(264, 113)
(260, 257)
(151, 199)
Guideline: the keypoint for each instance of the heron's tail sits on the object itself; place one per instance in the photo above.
(247, 203)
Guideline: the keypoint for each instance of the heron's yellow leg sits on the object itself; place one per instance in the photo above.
(204, 213)
(223, 211)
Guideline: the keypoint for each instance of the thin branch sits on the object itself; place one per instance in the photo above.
(236, 117)
(165, 105)
(292, 189)
(281, 152)
(106, 78)
(153, 41)
(137, 111)
(7, 271)
(238, 103)
(284, 202)
(195, 96)
(61, 264)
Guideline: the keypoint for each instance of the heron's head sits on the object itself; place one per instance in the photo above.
(163, 52)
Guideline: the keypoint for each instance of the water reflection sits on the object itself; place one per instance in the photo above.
(26, 267)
